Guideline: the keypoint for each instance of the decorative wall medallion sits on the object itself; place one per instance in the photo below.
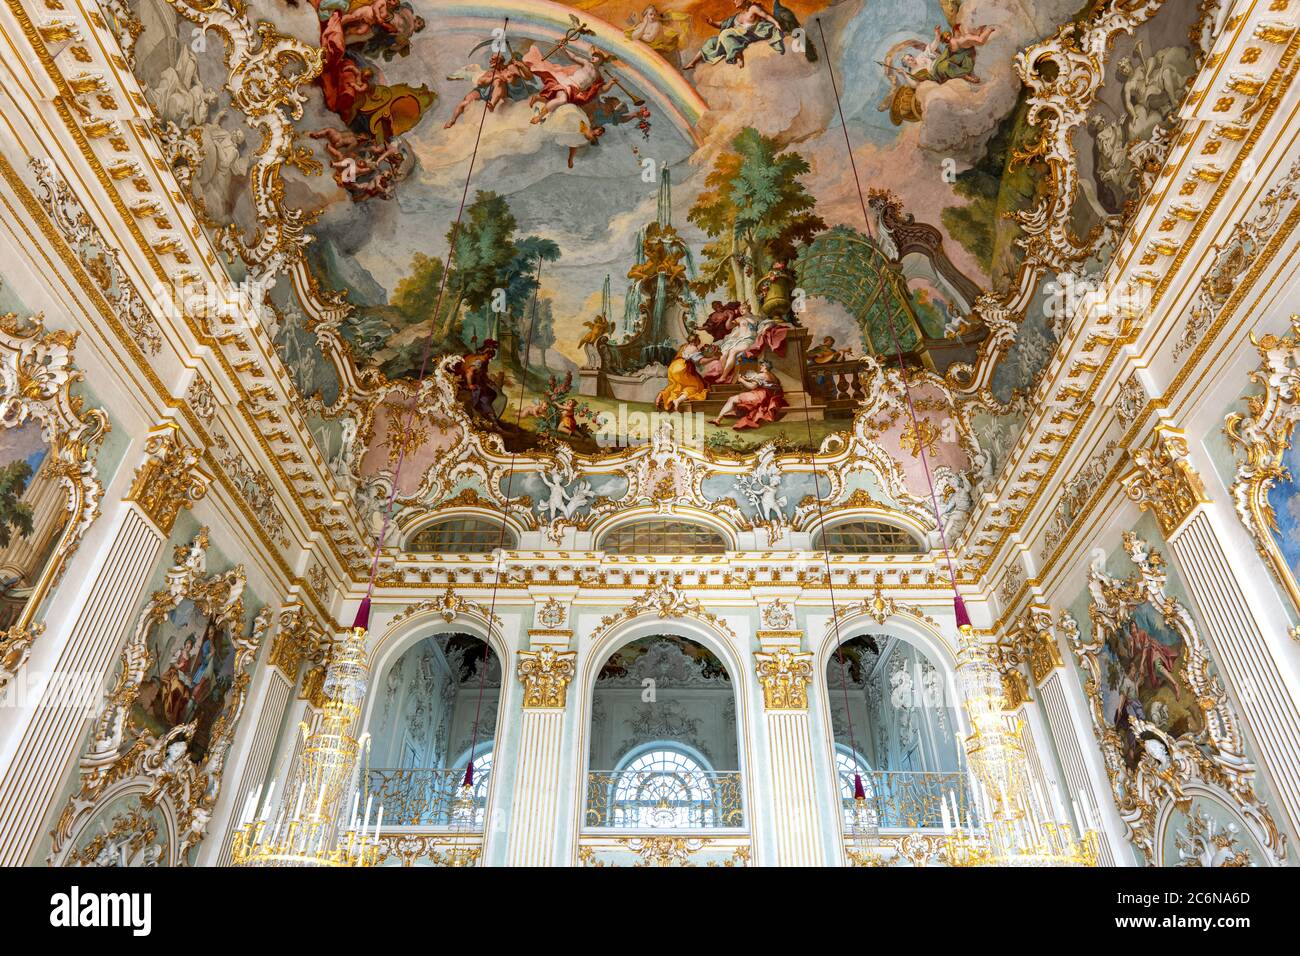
(665, 601)
(49, 494)
(552, 614)
(1203, 841)
(130, 836)
(449, 606)
(1265, 492)
(202, 400)
(168, 724)
(1160, 714)
(778, 616)
(1131, 400)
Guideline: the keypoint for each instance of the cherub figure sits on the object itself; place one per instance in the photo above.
(502, 79)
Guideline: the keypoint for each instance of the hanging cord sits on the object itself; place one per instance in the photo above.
(363, 612)
(958, 606)
(362, 619)
(859, 792)
(893, 335)
(468, 780)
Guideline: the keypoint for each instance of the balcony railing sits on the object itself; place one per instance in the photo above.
(423, 797)
(905, 799)
(664, 800)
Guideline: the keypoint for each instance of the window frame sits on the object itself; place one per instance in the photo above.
(488, 529)
(858, 526)
(661, 540)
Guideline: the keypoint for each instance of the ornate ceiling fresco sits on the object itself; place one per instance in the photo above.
(662, 217)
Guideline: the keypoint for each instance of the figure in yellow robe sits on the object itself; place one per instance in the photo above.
(685, 384)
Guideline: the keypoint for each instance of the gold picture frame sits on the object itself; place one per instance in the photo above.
(36, 378)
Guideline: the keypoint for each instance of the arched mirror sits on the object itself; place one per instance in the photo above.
(436, 710)
(663, 752)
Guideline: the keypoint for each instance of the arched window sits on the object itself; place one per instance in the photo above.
(864, 536)
(662, 788)
(846, 765)
(663, 536)
(462, 535)
(473, 815)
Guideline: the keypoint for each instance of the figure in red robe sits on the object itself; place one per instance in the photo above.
(578, 84)
(760, 402)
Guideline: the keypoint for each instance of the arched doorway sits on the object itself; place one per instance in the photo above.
(895, 726)
(436, 711)
(663, 742)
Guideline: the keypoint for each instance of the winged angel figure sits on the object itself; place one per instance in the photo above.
(949, 56)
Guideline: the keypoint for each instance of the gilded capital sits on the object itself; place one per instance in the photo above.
(784, 675)
(169, 479)
(1039, 641)
(297, 637)
(1008, 658)
(1163, 480)
(545, 674)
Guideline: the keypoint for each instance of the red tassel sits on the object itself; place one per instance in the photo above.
(859, 791)
(959, 609)
(362, 620)
(469, 775)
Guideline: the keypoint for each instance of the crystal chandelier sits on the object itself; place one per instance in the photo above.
(465, 847)
(305, 826)
(1018, 824)
(862, 828)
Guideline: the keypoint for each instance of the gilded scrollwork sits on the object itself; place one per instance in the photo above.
(36, 378)
(1151, 759)
(1036, 639)
(269, 73)
(101, 259)
(298, 637)
(664, 601)
(1261, 439)
(164, 765)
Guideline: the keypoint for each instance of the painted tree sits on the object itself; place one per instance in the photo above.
(756, 211)
(488, 290)
(414, 300)
(488, 257)
(15, 514)
(544, 327)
